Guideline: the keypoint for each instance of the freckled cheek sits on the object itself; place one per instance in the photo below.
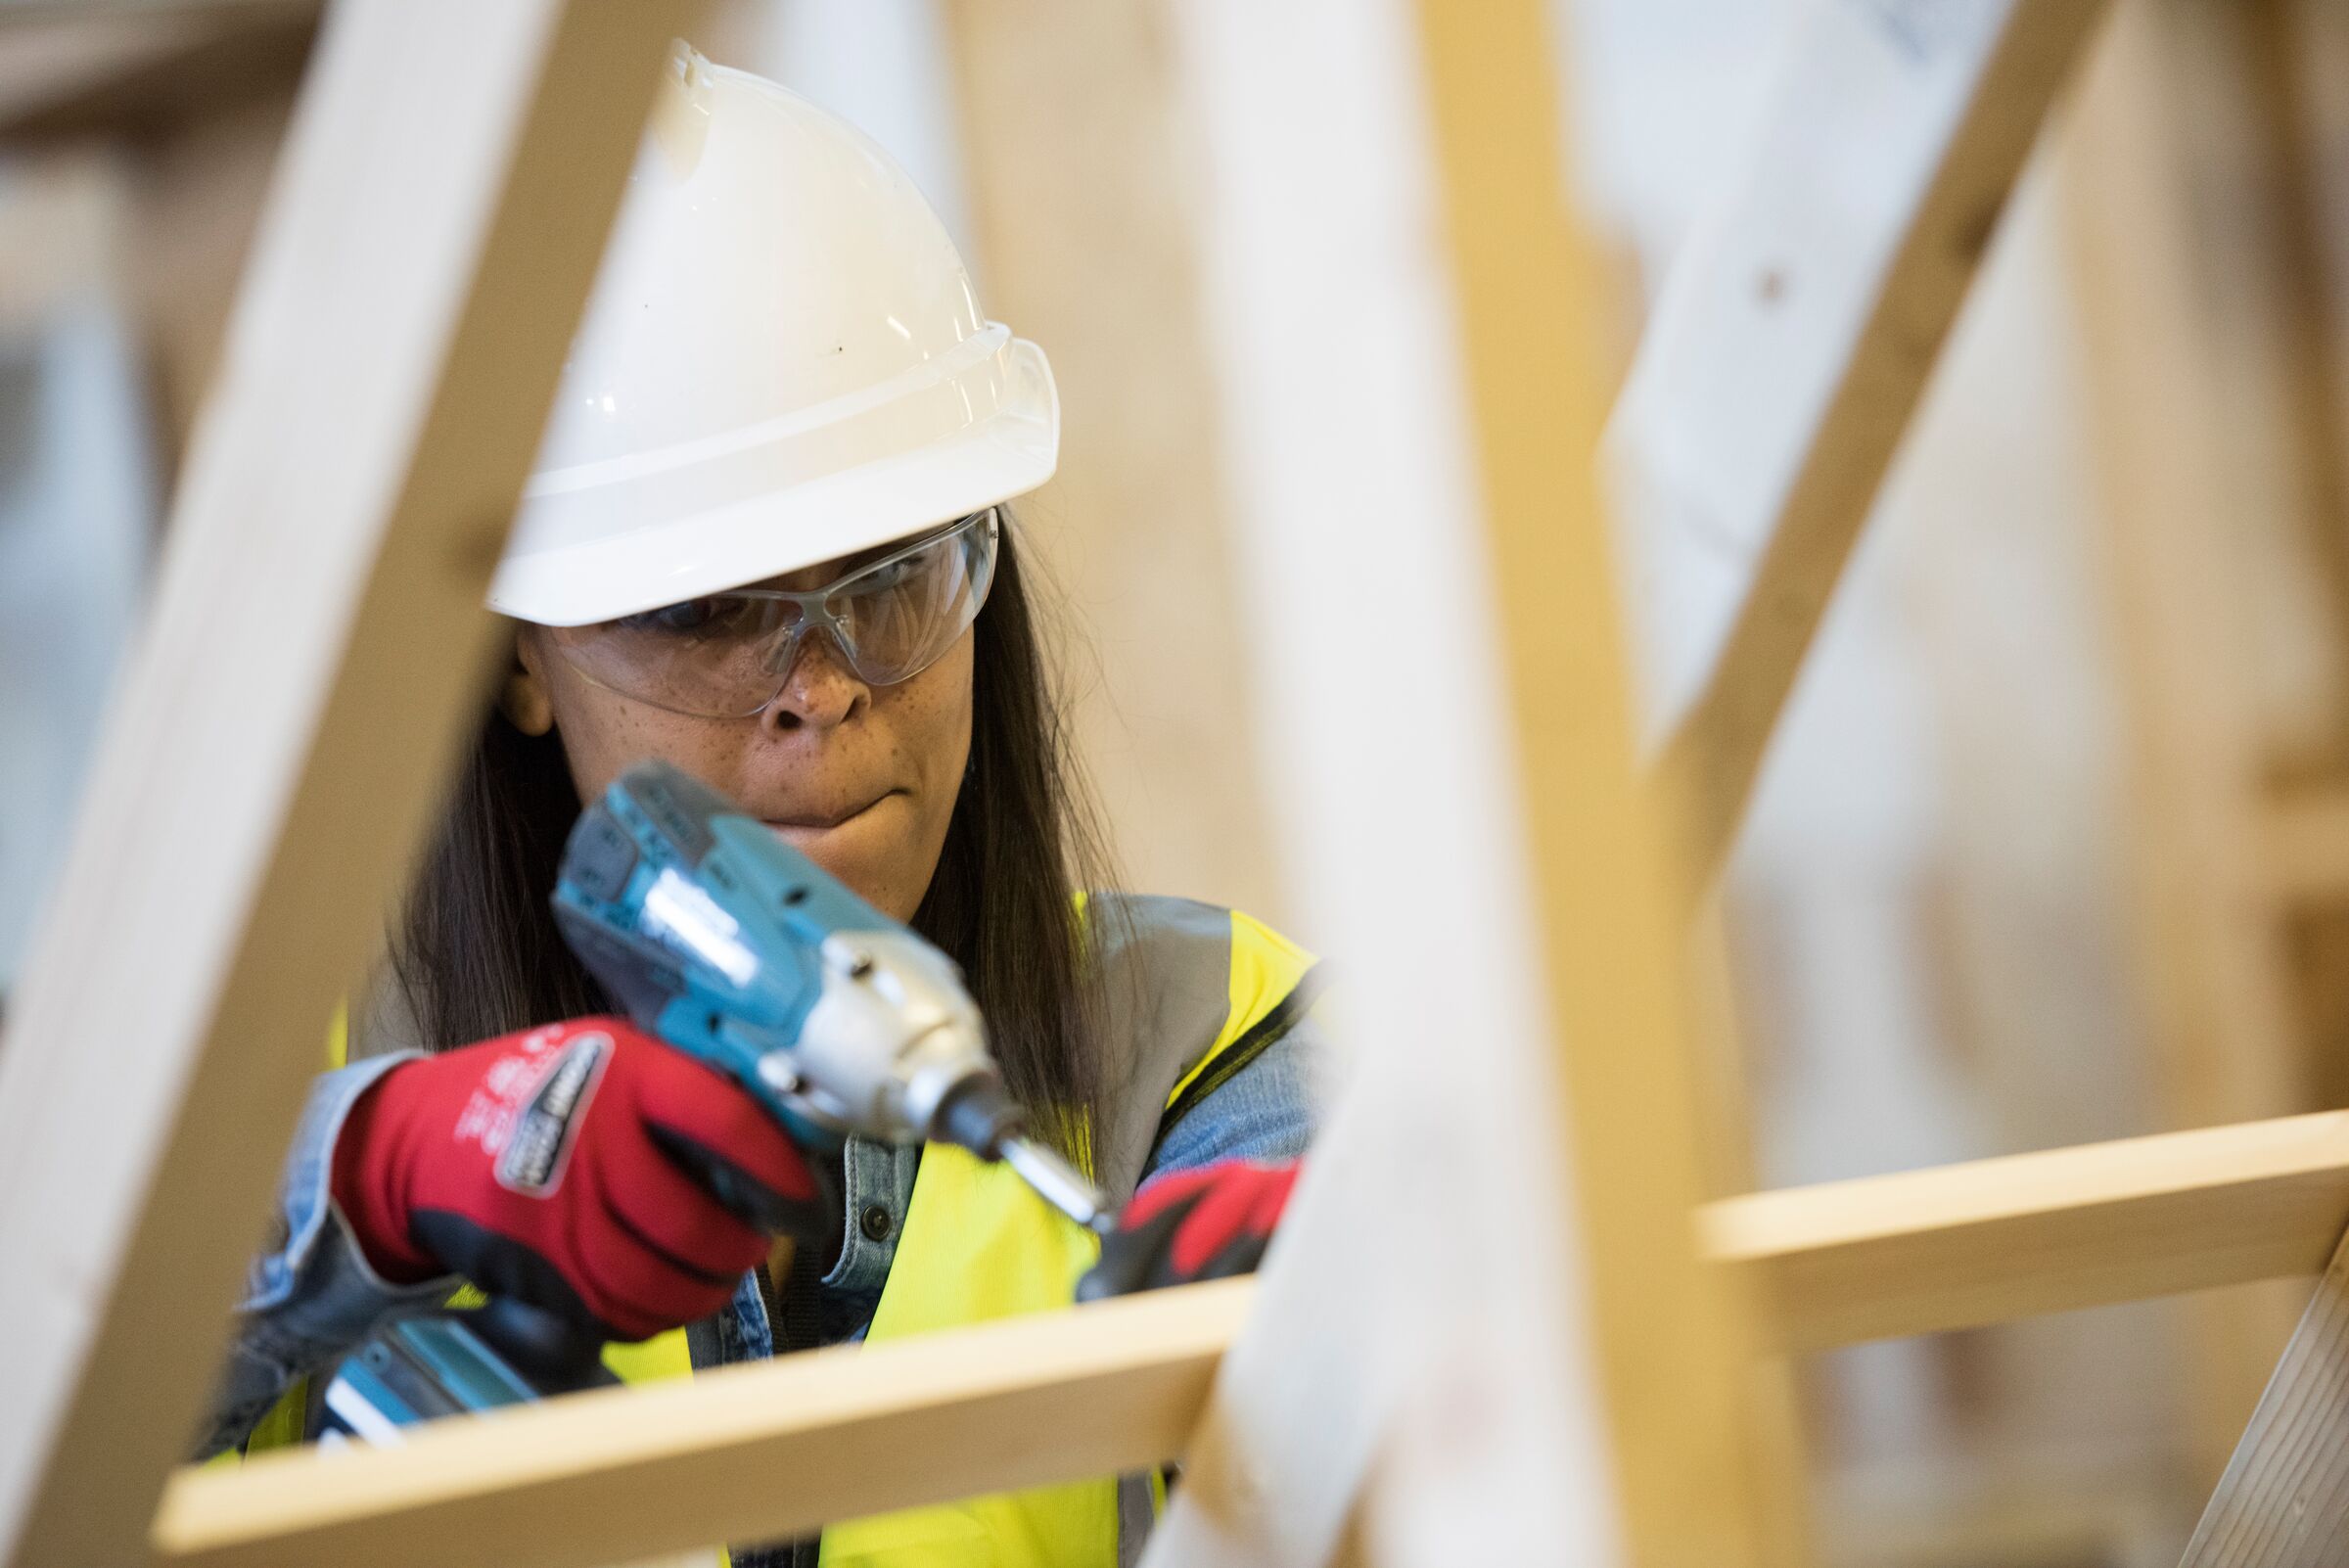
(928, 721)
(945, 729)
(602, 735)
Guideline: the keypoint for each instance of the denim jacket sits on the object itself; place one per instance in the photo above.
(311, 1296)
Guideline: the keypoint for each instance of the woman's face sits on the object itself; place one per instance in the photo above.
(862, 778)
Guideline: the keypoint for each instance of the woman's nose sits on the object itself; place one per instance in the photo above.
(819, 689)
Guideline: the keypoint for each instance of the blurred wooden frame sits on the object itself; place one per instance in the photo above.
(428, 242)
(98, 1156)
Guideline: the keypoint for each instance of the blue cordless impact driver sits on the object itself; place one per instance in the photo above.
(725, 940)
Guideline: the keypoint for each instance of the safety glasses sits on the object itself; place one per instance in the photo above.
(728, 654)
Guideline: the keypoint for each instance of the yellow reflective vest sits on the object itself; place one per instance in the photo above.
(978, 1245)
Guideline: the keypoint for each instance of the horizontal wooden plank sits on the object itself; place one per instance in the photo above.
(1990, 1240)
(747, 1454)
(766, 1450)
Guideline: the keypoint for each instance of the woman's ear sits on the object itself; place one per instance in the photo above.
(525, 699)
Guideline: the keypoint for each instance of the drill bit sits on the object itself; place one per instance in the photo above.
(1059, 1183)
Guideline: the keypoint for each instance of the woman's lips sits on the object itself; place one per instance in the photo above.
(810, 822)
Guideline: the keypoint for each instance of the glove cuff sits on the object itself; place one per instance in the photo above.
(362, 1191)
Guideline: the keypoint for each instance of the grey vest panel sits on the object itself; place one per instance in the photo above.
(1166, 968)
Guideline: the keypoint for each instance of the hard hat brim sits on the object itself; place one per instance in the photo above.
(1008, 453)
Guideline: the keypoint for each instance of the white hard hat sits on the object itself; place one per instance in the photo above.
(783, 361)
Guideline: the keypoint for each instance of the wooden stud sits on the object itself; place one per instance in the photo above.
(2210, 943)
(1989, 1240)
(1312, 1394)
(2282, 81)
(1791, 343)
(1425, 1279)
(297, 699)
(1670, 1333)
(2284, 1500)
(2222, 1013)
(739, 1453)
(1916, 1253)
(1774, 1438)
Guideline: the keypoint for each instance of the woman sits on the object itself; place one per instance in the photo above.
(768, 542)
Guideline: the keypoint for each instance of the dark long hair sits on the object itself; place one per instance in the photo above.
(476, 954)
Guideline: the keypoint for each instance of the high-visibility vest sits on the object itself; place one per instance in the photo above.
(978, 1245)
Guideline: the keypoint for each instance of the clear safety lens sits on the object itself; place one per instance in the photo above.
(728, 654)
(895, 617)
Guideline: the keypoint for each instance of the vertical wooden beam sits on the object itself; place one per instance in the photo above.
(2284, 79)
(1086, 244)
(2300, 85)
(317, 635)
(1670, 1333)
(2209, 939)
(1773, 1436)
(2314, 34)
(1524, 901)
(2237, 305)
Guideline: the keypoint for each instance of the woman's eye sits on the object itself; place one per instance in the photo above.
(693, 618)
(890, 574)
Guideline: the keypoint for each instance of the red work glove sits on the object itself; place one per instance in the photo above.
(577, 1167)
(1187, 1225)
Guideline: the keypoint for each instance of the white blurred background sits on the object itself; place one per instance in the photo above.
(2039, 855)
